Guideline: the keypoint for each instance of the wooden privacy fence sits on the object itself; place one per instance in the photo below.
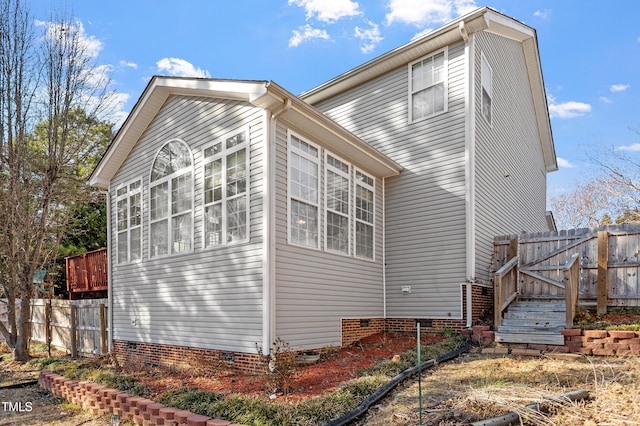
(609, 259)
(78, 326)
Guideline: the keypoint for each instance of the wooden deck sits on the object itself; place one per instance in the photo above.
(87, 272)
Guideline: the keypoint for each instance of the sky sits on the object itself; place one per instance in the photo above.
(589, 49)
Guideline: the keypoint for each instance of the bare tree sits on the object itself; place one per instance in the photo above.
(588, 205)
(44, 81)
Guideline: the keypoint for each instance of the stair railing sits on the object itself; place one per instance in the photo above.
(571, 280)
(505, 289)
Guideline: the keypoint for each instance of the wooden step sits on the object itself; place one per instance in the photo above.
(537, 338)
(533, 322)
(523, 329)
(539, 322)
(542, 316)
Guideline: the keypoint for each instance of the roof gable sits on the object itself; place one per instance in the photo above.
(262, 94)
(482, 19)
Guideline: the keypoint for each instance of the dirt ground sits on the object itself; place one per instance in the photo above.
(32, 405)
(477, 387)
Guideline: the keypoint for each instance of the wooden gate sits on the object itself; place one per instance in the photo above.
(609, 264)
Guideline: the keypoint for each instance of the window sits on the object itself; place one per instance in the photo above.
(337, 204)
(129, 222)
(428, 86)
(171, 201)
(349, 202)
(225, 191)
(364, 212)
(486, 74)
(304, 180)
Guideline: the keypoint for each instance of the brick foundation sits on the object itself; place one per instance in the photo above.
(100, 400)
(356, 329)
(183, 357)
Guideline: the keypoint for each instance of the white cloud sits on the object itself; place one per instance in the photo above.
(570, 109)
(180, 68)
(633, 147)
(564, 163)
(618, 87)
(129, 64)
(605, 100)
(370, 37)
(542, 14)
(328, 10)
(90, 46)
(307, 33)
(423, 12)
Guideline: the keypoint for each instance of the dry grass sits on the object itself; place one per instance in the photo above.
(476, 387)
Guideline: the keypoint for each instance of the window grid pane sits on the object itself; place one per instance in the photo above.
(428, 86)
(303, 192)
(226, 176)
(236, 219)
(160, 201)
(181, 229)
(337, 232)
(365, 208)
(304, 224)
(128, 222)
(213, 225)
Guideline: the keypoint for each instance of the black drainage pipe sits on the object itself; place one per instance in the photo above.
(389, 386)
(513, 417)
(20, 385)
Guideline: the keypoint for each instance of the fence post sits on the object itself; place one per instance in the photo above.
(103, 330)
(47, 326)
(74, 327)
(603, 259)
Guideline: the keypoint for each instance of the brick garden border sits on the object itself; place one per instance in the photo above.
(587, 342)
(100, 400)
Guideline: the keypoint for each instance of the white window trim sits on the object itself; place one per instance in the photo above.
(223, 155)
(127, 196)
(291, 133)
(168, 178)
(484, 62)
(351, 211)
(446, 85)
(355, 218)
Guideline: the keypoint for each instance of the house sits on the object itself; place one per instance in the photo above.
(240, 213)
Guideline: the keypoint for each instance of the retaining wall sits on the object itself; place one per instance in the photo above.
(587, 342)
(100, 400)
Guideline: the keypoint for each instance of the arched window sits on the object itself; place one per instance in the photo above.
(171, 200)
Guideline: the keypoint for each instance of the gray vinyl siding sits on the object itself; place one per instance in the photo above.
(316, 289)
(511, 145)
(425, 204)
(209, 298)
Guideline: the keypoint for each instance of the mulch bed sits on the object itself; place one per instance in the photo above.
(334, 368)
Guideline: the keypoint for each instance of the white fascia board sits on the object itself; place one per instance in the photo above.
(500, 24)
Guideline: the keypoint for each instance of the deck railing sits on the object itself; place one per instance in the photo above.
(87, 272)
(506, 288)
(571, 281)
